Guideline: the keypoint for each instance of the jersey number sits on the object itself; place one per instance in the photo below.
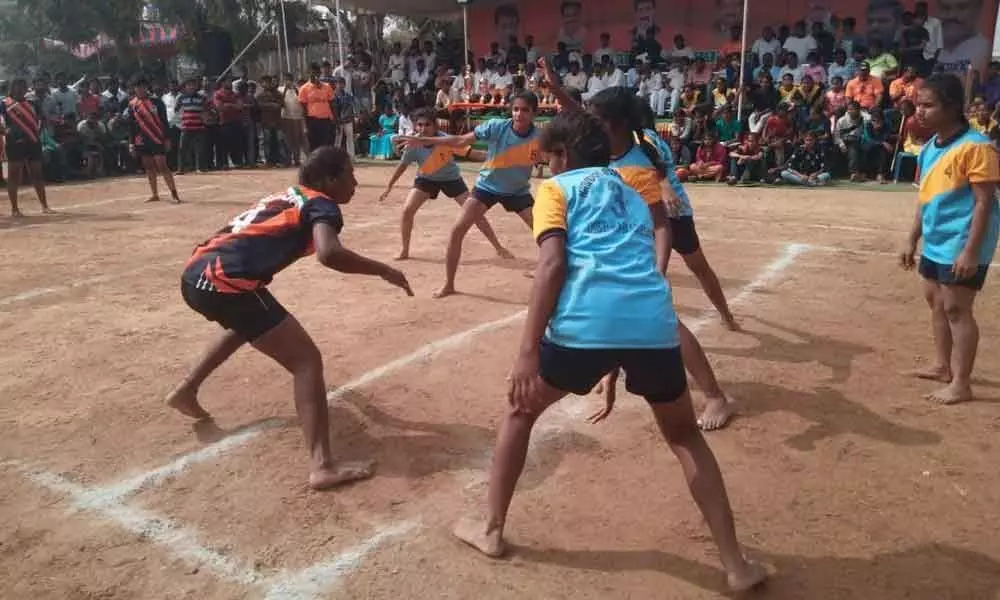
(269, 206)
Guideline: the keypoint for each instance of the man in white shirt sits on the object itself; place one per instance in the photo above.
(613, 76)
(674, 80)
(595, 84)
(396, 66)
(429, 56)
(933, 27)
(346, 72)
(680, 49)
(419, 76)
(604, 50)
(800, 43)
(502, 79)
(575, 78)
(766, 44)
(292, 120)
(64, 100)
(659, 94)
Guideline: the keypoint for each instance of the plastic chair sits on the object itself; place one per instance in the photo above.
(898, 164)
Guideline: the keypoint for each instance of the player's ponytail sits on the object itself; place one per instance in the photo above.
(621, 109)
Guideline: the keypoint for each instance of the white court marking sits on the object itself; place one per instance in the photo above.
(311, 582)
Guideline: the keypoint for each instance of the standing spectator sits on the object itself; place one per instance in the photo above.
(344, 109)
(232, 136)
(806, 165)
(882, 64)
(65, 101)
(293, 120)
(935, 41)
(361, 88)
(216, 154)
(847, 136)
(800, 43)
(169, 100)
(23, 143)
(766, 44)
(396, 65)
(270, 103)
(346, 71)
(316, 99)
(849, 39)
(746, 161)
(710, 160)
(429, 55)
(90, 100)
(865, 89)
(326, 74)
(113, 99)
(825, 42)
(877, 141)
(190, 108)
(94, 137)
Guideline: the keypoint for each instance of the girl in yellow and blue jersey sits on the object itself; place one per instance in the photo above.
(959, 221)
(642, 167)
(504, 179)
(437, 172)
(598, 304)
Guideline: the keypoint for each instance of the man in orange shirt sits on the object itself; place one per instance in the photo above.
(864, 89)
(906, 86)
(316, 98)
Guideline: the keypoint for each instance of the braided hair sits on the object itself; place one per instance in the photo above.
(617, 106)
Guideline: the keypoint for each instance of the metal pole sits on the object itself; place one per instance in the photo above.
(284, 33)
(277, 47)
(743, 61)
(465, 30)
(244, 50)
(340, 36)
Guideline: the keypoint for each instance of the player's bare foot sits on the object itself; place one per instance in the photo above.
(48, 211)
(749, 576)
(153, 199)
(475, 533)
(185, 402)
(505, 253)
(447, 290)
(953, 394)
(718, 411)
(16, 214)
(402, 256)
(934, 373)
(729, 321)
(175, 199)
(325, 478)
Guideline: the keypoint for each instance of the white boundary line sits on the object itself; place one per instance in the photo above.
(197, 188)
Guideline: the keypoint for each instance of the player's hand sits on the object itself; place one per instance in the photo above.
(525, 384)
(907, 256)
(673, 203)
(610, 395)
(397, 278)
(965, 266)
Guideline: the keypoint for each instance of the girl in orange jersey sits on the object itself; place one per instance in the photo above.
(149, 140)
(226, 279)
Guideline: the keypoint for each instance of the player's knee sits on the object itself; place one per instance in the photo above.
(955, 311)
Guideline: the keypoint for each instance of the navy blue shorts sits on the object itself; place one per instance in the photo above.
(683, 236)
(514, 204)
(943, 274)
(656, 374)
(249, 314)
(452, 189)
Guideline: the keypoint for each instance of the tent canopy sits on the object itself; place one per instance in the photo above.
(405, 8)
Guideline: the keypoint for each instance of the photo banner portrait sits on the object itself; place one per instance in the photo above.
(967, 26)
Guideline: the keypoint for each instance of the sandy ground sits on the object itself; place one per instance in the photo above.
(843, 478)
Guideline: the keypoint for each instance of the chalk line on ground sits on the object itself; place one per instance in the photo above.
(197, 188)
(317, 579)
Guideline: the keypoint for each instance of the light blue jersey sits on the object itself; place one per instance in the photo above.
(668, 159)
(509, 158)
(435, 163)
(613, 296)
(947, 201)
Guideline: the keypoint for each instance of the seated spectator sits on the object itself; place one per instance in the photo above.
(982, 121)
(699, 75)
(94, 139)
(595, 84)
(757, 120)
(835, 98)
(604, 50)
(791, 68)
(764, 95)
(810, 95)
(779, 132)
(421, 76)
(682, 158)
(575, 78)
(847, 136)
(381, 142)
(502, 78)
(728, 127)
(806, 166)
(709, 161)
(913, 134)
(818, 125)
(690, 98)
(882, 64)
(90, 99)
(722, 95)
(840, 67)
(877, 143)
(649, 47)
(865, 88)
(613, 76)
(443, 98)
(814, 69)
(680, 127)
(788, 91)
(906, 86)
(701, 125)
(767, 67)
(746, 161)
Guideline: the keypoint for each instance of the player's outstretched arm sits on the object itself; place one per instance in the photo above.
(333, 255)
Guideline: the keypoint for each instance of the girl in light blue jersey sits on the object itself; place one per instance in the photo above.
(644, 168)
(598, 304)
(959, 221)
(436, 172)
(504, 179)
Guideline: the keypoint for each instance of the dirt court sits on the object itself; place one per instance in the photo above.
(842, 477)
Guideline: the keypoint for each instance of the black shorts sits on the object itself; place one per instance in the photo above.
(656, 374)
(452, 189)
(150, 149)
(24, 150)
(683, 237)
(943, 274)
(250, 314)
(514, 204)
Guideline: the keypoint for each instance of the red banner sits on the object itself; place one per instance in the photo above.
(966, 25)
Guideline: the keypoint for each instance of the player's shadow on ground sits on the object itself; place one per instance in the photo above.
(207, 431)
(926, 572)
(837, 355)
(681, 277)
(61, 218)
(421, 449)
(513, 264)
(830, 413)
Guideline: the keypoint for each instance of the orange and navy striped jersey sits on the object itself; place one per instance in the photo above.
(246, 254)
(22, 119)
(147, 121)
